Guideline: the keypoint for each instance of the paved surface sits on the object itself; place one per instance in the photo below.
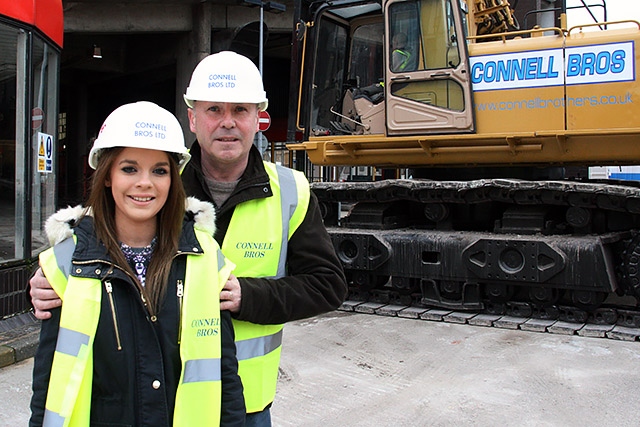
(353, 369)
(18, 338)
(360, 370)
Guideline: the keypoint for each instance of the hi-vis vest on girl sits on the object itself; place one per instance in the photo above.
(258, 247)
(199, 391)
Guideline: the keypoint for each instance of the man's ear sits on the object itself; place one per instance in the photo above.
(192, 119)
(257, 119)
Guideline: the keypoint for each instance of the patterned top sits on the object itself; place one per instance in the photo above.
(139, 258)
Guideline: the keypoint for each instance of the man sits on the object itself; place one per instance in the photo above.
(268, 223)
(400, 56)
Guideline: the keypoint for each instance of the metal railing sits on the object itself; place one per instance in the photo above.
(13, 282)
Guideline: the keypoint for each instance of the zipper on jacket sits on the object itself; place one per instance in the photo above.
(109, 288)
(134, 280)
(140, 289)
(180, 294)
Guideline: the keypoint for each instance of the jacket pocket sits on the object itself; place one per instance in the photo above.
(109, 288)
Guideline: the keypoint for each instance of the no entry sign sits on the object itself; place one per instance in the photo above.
(37, 115)
(264, 121)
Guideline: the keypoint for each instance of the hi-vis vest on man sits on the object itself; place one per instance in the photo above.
(199, 391)
(256, 241)
(405, 55)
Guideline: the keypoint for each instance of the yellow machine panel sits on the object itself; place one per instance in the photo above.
(602, 79)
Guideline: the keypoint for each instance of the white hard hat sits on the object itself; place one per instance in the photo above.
(141, 125)
(226, 77)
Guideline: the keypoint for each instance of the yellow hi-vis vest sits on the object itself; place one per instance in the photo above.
(198, 396)
(256, 242)
(405, 59)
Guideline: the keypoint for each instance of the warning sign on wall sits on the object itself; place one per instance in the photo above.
(45, 153)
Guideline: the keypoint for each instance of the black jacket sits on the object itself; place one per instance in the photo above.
(122, 393)
(315, 282)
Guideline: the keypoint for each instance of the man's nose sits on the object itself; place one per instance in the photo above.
(228, 120)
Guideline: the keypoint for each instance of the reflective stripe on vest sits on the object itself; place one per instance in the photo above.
(199, 392)
(202, 370)
(63, 252)
(256, 241)
(51, 419)
(70, 342)
(259, 346)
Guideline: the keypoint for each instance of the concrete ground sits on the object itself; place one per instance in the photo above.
(352, 369)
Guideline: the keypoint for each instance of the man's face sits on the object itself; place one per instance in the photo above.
(224, 130)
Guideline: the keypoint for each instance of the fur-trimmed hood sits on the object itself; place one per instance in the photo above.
(59, 226)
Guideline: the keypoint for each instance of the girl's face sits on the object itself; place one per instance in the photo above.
(140, 180)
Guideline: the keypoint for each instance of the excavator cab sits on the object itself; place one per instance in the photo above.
(407, 74)
(430, 90)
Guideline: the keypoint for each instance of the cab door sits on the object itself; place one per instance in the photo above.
(427, 84)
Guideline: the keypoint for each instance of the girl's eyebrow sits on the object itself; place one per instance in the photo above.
(127, 161)
(135, 162)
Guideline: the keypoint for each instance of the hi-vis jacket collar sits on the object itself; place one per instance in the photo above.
(59, 225)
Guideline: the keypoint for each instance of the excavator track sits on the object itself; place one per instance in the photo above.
(554, 256)
(610, 195)
(517, 316)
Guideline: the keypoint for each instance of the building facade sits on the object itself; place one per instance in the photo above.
(124, 51)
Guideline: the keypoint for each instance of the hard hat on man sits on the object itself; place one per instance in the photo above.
(226, 77)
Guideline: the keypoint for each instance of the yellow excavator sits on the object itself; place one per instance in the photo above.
(451, 142)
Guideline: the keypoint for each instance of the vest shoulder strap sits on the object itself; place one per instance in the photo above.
(56, 263)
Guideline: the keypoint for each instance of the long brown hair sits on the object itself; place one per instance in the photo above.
(168, 230)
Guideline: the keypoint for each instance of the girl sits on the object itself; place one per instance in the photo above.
(140, 339)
